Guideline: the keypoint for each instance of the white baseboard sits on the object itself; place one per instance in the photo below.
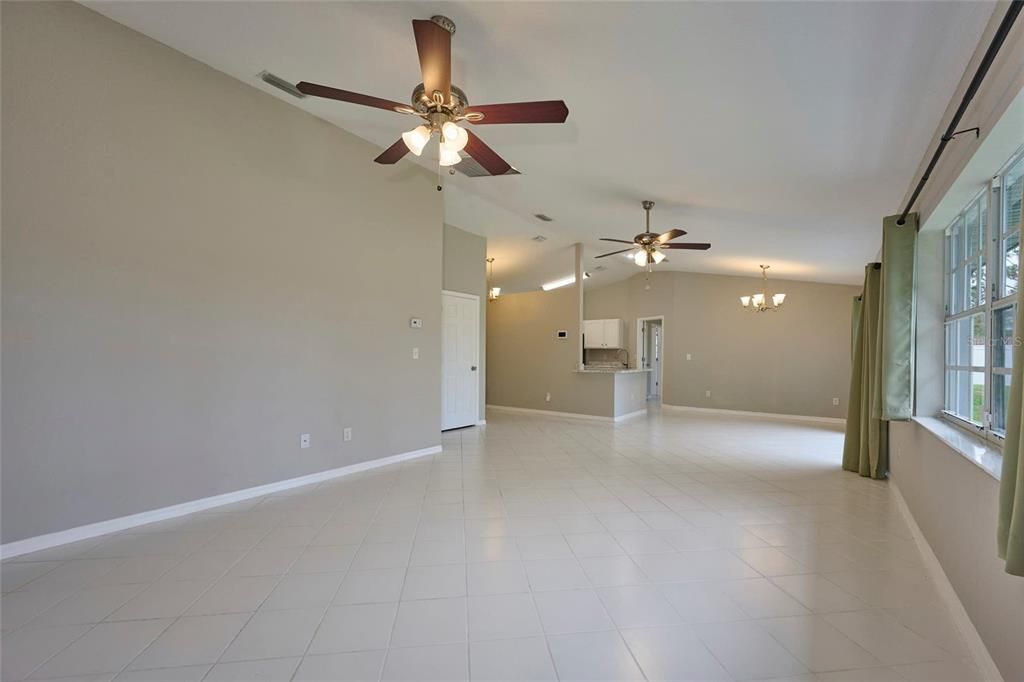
(549, 413)
(63, 537)
(630, 415)
(764, 415)
(976, 647)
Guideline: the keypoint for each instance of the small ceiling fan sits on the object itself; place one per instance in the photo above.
(442, 105)
(649, 245)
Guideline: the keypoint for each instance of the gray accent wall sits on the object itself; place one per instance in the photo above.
(188, 282)
(465, 271)
(794, 361)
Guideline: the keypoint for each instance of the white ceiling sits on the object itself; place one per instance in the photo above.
(780, 132)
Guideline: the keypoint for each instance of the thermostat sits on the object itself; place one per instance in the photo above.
(416, 322)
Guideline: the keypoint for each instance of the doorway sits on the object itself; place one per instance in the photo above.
(650, 345)
(460, 360)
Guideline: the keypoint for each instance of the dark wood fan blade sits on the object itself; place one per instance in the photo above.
(617, 241)
(690, 245)
(328, 92)
(670, 235)
(485, 156)
(434, 45)
(393, 153)
(550, 111)
(603, 255)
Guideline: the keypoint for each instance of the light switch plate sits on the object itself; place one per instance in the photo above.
(304, 441)
(347, 434)
(416, 322)
(415, 353)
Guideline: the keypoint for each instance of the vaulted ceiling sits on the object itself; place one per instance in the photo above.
(779, 131)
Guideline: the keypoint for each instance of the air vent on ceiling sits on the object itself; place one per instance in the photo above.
(599, 268)
(280, 84)
(539, 238)
(543, 217)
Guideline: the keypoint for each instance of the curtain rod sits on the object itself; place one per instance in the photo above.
(986, 62)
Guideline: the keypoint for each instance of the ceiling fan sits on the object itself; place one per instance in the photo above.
(442, 105)
(649, 245)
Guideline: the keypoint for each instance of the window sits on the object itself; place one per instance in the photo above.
(981, 302)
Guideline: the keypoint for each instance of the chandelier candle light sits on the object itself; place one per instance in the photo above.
(762, 302)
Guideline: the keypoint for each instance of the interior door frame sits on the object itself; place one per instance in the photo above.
(479, 337)
(639, 347)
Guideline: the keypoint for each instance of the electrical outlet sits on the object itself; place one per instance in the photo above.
(835, 401)
(707, 394)
(415, 353)
(304, 441)
(346, 435)
(547, 397)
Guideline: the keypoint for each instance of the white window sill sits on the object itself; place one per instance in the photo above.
(975, 449)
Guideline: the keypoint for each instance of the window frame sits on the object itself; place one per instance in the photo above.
(991, 260)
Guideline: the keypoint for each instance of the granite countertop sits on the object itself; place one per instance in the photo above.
(611, 370)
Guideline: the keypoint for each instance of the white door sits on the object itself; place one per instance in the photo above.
(460, 360)
(655, 375)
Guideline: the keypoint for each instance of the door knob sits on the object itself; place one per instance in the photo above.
(472, 368)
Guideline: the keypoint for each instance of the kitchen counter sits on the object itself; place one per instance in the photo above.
(612, 370)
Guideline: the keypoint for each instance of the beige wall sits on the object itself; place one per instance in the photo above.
(188, 283)
(527, 361)
(465, 271)
(954, 503)
(790, 362)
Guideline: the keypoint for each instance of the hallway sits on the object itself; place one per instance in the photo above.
(679, 546)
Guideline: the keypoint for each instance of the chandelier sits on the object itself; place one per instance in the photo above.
(492, 291)
(762, 302)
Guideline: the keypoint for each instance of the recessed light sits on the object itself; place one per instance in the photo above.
(543, 217)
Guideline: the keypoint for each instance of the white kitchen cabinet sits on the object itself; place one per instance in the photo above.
(604, 334)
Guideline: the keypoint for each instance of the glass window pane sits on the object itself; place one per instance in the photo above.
(973, 280)
(971, 227)
(1013, 188)
(956, 294)
(981, 281)
(1000, 399)
(977, 396)
(957, 252)
(1011, 263)
(1003, 339)
(951, 343)
(970, 341)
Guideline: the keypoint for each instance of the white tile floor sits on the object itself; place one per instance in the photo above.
(673, 547)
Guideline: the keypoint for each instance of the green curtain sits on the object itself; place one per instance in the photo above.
(1011, 484)
(898, 325)
(866, 448)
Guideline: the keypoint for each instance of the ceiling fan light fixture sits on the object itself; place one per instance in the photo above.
(416, 139)
(449, 157)
(455, 138)
(658, 256)
(640, 258)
